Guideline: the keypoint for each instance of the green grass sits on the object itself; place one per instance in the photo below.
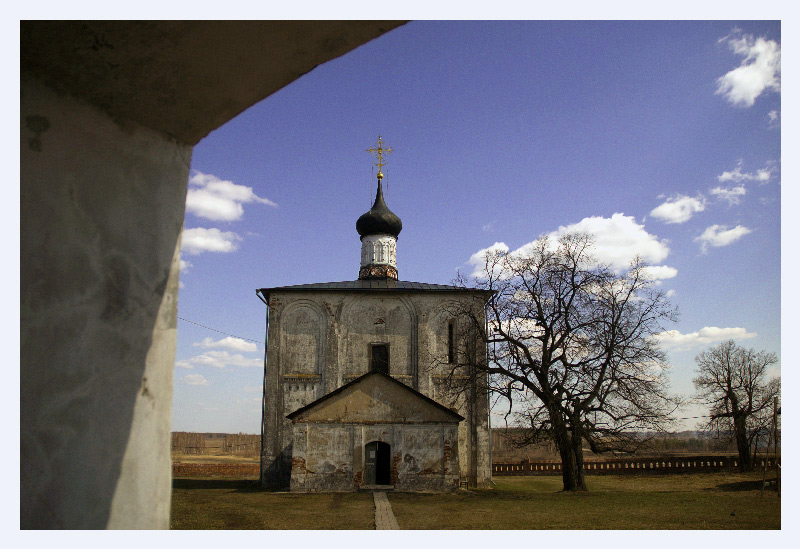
(692, 501)
(223, 504)
(676, 501)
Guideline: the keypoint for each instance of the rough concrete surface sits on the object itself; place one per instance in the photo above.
(109, 113)
(183, 78)
(99, 271)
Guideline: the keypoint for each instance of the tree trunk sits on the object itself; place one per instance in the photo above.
(746, 459)
(577, 450)
(572, 474)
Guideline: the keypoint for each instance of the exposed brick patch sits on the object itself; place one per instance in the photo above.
(357, 479)
(397, 458)
(298, 465)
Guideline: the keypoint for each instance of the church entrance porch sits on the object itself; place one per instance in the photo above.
(375, 433)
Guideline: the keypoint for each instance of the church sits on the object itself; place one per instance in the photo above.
(361, 384)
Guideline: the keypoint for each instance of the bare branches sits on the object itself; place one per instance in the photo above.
(732, 381)
(571, 343)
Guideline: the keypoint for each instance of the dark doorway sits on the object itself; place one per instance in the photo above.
(379, 358)
(377, 465)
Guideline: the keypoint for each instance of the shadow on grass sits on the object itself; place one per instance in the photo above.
(746, 486)
(233, 485)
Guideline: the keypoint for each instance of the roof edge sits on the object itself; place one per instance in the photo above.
(373, 286)
(356, 380)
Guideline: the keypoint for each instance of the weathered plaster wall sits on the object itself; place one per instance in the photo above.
(101, 216)
(324, 458)
(415, 326)
(376, 320)
(330, 457)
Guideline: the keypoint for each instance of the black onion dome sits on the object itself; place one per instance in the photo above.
(379, 220)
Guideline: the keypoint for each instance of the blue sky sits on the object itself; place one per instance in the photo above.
(661, 138)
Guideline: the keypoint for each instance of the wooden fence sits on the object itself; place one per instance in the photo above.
(700, 464)
(216, 444)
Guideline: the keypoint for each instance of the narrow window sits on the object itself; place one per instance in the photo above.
(379, 358)
(451, 351)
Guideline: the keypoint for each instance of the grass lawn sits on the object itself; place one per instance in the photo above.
(690, 501)
(223, 504)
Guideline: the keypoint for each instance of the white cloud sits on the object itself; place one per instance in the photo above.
(183, 364)
(198, 240)
(478, 259)
(221, 359)
(762, 176)
(232, 343)
(774, 119)
(732, 195)
(670, 293)
(253, 389)
(194, 379)
(617, 240)
(760, 70)
(720, 235)
(679, 209)
(673, 339)
(185, 266)
(212, 198)
(660, 272)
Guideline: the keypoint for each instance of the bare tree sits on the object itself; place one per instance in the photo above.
(572, 343)
(733, 382)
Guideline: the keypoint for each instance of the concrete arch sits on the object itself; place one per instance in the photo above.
(110, 112)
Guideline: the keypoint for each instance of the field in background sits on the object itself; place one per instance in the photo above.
(692, 502)
(245, 448)
(215, 448)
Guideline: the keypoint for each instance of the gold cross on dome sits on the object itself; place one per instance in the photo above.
(378, 153)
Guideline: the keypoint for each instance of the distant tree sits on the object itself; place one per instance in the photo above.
(572, 343)
(733, 382)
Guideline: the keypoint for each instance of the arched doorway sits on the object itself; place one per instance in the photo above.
(377, 465)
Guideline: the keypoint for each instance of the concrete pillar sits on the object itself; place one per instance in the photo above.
(102, 206)
(109, 113)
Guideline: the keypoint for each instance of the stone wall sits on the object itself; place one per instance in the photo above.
(330, 458)
(305, 363)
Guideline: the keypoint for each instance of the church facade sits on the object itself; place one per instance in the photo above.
(417, 423)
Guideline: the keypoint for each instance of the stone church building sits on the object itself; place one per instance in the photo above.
(360, 385)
